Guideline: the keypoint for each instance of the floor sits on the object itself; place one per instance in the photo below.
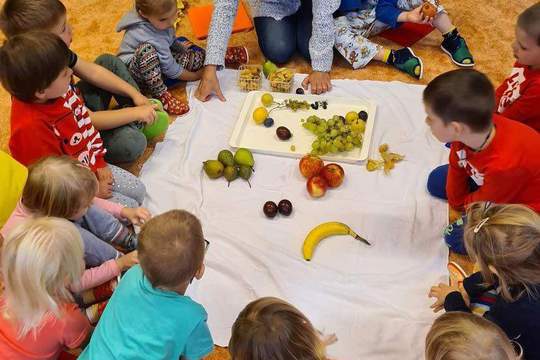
(487, 26)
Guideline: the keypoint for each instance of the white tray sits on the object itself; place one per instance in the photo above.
(261, 139)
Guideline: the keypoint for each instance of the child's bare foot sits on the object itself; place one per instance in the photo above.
(236, 56)
(172, 105)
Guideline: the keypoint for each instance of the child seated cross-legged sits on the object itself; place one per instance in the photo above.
(156, 57)
(148, 316)
(358, 20)
(49, 118)
(38, 317)
(107, 77)
(491, 157)
(62, 187)
(270, 328)
(519, 94)
(463, 336)
(504, 240)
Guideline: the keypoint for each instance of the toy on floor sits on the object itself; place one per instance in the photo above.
(159, 126)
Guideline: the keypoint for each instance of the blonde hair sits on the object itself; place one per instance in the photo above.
(507, 238)
(39, 258)
(171, 248)
(465, 336)
(154, 7)
(270, 328)
(58, 186)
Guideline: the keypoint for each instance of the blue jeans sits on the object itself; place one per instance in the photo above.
(98, 229)
(279, 39)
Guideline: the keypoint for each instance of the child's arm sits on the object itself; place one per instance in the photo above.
(457, 182)
(388, 12)
(111, 119)
(449, 298)
(100, 77)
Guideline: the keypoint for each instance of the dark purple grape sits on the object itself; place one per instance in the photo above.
(315, 105)
(268, 122)
(283, 133)
(363, 115)
(285, 207)
(300, 91)
(270, 209)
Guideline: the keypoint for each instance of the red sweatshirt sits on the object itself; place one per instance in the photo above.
(518, 97)
(507, 171)
(59, 127)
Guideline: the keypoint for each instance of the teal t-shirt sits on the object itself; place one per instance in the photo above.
(141, 322)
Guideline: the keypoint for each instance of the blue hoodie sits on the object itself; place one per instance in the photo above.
(137, 31)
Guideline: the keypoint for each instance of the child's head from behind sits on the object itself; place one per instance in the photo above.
(34, 66)
(526, 46)
(505, 242)
(40, 257)
(160, 13)
(465, 336)
(60, 187)
(20, 16)
(270, 328)
(171, 250)
(457, 103)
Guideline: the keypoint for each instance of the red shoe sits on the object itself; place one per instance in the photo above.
(236, 56)
(172, 105)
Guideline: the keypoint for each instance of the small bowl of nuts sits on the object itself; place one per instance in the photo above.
(250, 77)
(281, 80)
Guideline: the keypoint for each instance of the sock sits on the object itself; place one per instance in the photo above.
(451, 32)
(389, 57)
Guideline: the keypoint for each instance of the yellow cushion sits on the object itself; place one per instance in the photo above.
(12, 179)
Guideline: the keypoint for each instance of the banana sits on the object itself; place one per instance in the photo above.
(323, 231)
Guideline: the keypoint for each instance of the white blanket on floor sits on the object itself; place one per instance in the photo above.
(374, 299)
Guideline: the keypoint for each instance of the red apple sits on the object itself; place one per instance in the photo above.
(334, 174)
(316, 186)
(310, 165)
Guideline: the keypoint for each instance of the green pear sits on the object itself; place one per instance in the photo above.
(244, 157)
(230, 173)
(245, 173)
(213, 168)
(226, 157)
(268, 68)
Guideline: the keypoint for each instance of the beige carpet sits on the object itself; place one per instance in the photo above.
(488, 27)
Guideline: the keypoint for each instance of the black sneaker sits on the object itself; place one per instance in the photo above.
(454, 45)
(405, 60)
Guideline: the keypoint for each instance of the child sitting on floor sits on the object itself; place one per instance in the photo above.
(120, 129)
(62, 187)
(270, 328)
(48, 117)
(504, 240)
(358, 20)
(518, 97)
(463, 336)
(491, 157)
(155, 56)
(149, 312)
(38, 317)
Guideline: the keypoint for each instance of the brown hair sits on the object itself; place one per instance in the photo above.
(465, 336)
(171, 248)
(30, 62)
(270, 328)
(58, 186)
(529, 21)
(154, 7)
(20, 16)
(507, 238)
(463, 95)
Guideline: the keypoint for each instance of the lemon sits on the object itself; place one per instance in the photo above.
(351, 116)
(267, 99)
(259, 115)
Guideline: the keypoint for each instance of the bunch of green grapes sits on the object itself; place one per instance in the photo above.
(297, 104)
(334, 135)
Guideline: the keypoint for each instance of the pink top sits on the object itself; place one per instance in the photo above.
(54, 333)
(91, 277)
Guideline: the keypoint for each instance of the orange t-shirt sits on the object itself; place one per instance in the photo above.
(70, 330)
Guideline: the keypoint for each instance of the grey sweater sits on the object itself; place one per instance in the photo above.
(138, 31)
(322, 38)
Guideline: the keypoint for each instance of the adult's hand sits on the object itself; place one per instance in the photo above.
(209, 85)
(319, 82)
